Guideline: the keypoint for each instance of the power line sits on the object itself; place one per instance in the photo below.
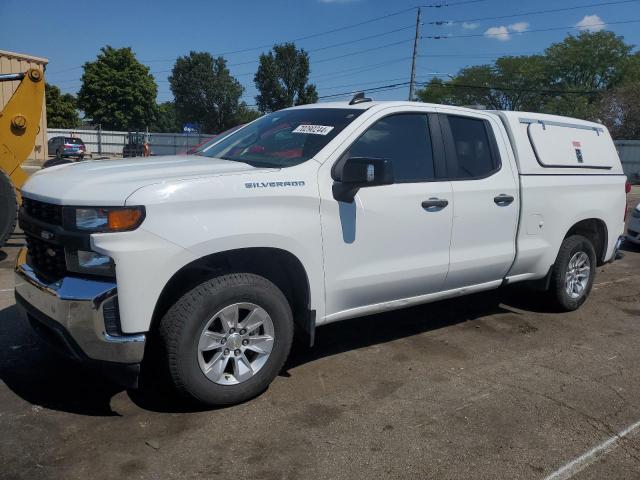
(345, 27)
(355, 84)
(307, 37)
(356, 70)
(450, 4)
(327, 47)
(603, 24)
(516, 89)
(313, 35)
(536, 12)
(379, 47)
(373, 89)
(495, 55)
(482, 87)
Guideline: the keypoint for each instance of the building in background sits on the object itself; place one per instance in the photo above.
(15, 63)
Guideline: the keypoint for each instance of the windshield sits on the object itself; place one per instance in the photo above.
(283, 139)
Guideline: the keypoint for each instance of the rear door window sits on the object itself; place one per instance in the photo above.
(471, 148)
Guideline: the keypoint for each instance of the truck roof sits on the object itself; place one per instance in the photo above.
(373, 103)
(505, 114)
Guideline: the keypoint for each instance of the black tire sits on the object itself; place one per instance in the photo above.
(558, 292)
(182, 325)
(8, 208)
(59, 154)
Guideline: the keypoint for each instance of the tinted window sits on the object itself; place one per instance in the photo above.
(73, 141)
(404, 139)
(472, 148)
(284, 138)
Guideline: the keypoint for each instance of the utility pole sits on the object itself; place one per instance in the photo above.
(415, 54)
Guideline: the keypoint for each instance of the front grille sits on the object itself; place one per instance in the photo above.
(46, 212)
(46, 258)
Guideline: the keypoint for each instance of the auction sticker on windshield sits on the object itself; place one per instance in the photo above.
(313, 129)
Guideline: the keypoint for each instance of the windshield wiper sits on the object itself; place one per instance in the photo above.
(252, 163)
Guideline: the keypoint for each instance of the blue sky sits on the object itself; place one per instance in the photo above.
(69, 33)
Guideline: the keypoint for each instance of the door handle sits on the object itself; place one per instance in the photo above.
(434, 203)
(503, 200)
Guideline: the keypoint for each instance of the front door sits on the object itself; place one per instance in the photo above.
(392, 241)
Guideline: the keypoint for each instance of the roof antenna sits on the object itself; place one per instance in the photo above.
(359, 98)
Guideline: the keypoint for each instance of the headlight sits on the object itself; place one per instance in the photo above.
(107, 219)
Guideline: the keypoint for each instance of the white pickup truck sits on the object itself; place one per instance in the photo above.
(308, 216)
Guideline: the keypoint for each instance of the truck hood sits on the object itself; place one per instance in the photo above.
(110, 182)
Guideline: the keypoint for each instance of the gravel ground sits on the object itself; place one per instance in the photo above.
(496, 385)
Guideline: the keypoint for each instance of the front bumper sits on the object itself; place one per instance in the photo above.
(73, 310)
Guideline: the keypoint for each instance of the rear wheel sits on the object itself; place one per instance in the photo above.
(8, 208)
(227, 339)
(573, 273)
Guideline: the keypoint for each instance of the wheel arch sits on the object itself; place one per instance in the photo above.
(279, 266)
(594, 229)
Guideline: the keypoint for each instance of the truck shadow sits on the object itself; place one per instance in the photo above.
(389, 326)
(41, 377)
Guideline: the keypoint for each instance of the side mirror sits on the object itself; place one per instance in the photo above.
(355, 173)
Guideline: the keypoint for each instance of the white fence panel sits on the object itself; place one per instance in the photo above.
(108, 142)
(629, 151)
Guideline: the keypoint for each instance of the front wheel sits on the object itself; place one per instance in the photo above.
(227, 339)
(573, 273)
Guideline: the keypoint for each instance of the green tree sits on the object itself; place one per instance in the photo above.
(591, 63)
(572, 78)
(165, 120)
(117, 91)
(61, 108)
(620, 107)
(246, 114)
(588, 61)
(620, 111)
(511, 83)
(282, 78)
(205, 92)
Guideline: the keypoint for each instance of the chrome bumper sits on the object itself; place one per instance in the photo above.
(75, 306)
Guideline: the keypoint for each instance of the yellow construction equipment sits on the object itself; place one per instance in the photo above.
(19, 125)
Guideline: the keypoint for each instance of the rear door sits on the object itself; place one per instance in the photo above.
(485, 199)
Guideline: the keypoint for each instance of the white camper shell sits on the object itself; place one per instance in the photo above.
(549, 145)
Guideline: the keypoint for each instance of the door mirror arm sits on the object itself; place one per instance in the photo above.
(354, 173)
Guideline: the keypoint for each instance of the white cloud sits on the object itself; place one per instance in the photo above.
(470, 26)
(519, 27)
(503, 33)
(591, 23)
(499, 33)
